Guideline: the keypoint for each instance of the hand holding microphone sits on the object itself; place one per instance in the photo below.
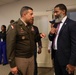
(53, 27)
(53, 30)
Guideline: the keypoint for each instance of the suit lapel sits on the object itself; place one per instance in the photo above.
(64, 25)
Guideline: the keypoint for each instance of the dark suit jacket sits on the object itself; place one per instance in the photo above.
(66, 43)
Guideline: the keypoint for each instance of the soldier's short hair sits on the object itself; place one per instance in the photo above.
(11, 21)
(25, 8)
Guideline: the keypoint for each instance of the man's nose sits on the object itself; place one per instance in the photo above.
(33, 16)
(55, 14)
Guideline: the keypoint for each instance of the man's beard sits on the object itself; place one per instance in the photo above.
(58, 18)
(29, 22)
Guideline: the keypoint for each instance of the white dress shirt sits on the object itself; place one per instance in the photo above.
(49, 45)
(56, 38)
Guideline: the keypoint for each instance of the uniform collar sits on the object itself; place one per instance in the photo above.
(23, 21)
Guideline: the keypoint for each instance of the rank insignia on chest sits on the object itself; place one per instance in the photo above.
(32, 29)
(21, 30)
(23, 37)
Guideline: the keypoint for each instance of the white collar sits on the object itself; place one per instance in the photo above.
(63, 20)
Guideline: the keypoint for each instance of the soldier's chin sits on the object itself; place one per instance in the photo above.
(31, 22)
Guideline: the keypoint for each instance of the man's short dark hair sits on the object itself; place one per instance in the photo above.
(25, 8)
(62, 7)
(4, 26)
(11, 21)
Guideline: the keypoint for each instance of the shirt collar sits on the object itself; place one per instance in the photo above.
(23, 21)
(63, 20)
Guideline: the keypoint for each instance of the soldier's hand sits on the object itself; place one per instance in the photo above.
(42, 35)
(14, 70)
(39, 50)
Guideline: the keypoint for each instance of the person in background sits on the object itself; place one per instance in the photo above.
(39, 49)
(11, 22)
(49, 47)
(21, 43)
(63, 37)
(50, 42)
(3, 56)
(39, 44)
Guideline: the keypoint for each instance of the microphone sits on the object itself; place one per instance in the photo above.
(52, 22)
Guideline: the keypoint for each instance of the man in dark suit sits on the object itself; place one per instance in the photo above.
(63, 37)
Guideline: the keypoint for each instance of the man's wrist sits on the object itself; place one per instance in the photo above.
(39, 46)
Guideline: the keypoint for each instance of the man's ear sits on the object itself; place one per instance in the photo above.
(25, 12)
(64, 12)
